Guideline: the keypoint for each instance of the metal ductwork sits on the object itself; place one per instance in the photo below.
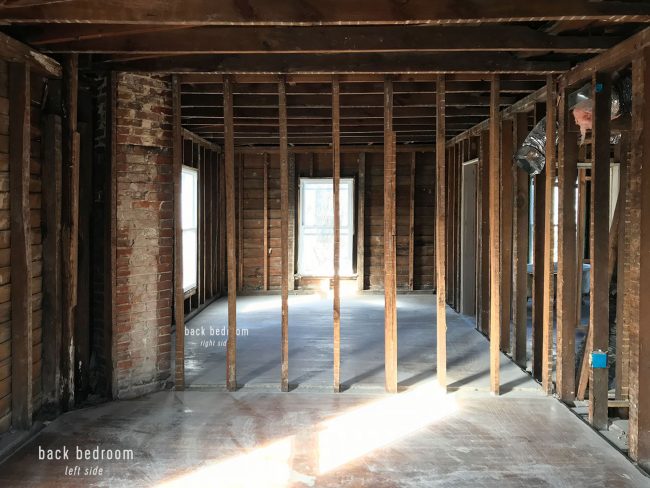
(531, 156)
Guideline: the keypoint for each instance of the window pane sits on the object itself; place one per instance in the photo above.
(189, 213)
(189, 259)
(316, 239)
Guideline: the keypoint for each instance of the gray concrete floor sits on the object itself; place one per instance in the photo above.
(261, 439)
(362, 344)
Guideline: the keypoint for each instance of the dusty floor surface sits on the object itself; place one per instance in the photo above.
(418, 438)
(259, 437)
(362, 344)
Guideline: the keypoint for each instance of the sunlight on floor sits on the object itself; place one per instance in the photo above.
(338, 441)
(264, 467)
(356, 433)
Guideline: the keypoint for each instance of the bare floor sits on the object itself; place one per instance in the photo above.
(262, 439)
(258, 437)
(362, 344)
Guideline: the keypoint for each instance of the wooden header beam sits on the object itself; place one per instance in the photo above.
(319, 12)
(373, 63)
(335, 39)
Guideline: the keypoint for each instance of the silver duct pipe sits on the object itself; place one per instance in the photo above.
(531, 156)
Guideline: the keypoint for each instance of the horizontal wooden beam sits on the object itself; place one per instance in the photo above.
(361, 88)
(319, 12)
(348, 101)
(200, 122)
(350, 149)
(335, 39)
(17, 52)
(293, 78)
(325, 112)
(373, 63)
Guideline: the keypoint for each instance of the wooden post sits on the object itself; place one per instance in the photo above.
(336, 181)
(440, 230)
(390, 285)
(548, 266)
(599, 297)
(229, 153)
(495, 234)
(284, 232)
(69, 228)
(21, 249)
(361, 224)
(507, 196)
(484, 234)
(566, 253)
(266, 221)
(52, 167)
(179, 315)
(520, 250)
(411, 220)
(639, 247)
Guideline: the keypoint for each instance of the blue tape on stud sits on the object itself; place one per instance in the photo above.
(599, 360)
(599, 87)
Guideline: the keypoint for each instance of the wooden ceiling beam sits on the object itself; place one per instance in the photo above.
(199, 78)
(324, 101)
(270, 122)
(346, 112)
(333, 39)
(319, 12)
(358, 88)
(370, 63)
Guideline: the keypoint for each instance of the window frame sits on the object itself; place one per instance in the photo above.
(350, 183)
(194, 172)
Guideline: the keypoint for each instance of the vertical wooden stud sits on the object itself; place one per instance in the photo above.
(440, 231)
(21, 249)
(69, 228)
(229, 153)
(548, 266)
(284, 246)
(179, 317)
(639, 248)
(390, 285)
(52, 167)
(495, 237)
(566, 254)
(599, 242)
(336, 180)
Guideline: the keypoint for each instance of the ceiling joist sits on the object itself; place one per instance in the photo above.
(317, 12)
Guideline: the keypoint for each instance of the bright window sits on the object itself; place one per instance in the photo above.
(189, 222)
(316, 235)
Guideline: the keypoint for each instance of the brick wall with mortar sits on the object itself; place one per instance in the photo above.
(144, 235)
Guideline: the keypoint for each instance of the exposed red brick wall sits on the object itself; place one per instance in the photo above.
(144, 235)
